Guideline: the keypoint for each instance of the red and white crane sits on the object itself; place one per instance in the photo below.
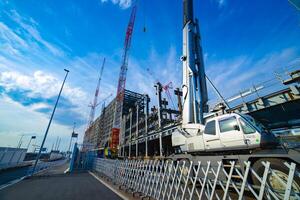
(114, 140)
(95, 103)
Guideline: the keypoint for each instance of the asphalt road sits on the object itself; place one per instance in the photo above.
(12, 174)
(15, 173)
(59, 187)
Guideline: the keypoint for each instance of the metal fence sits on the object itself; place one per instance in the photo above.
(41, 166)
(195, 180)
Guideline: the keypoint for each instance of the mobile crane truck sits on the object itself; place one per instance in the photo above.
(230, 136)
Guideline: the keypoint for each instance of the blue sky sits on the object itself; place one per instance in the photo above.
(244, 42)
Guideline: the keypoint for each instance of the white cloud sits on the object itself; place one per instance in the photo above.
(221, 3)
(124, 4)
(226, 69)
(240, 73)
(10, 38)
(164, 68)
(25, 121)
(43, 85)
(30, 26)
(37, 106)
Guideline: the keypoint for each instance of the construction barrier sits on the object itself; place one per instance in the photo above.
(81, 158)
(184, 179)
(11, 157)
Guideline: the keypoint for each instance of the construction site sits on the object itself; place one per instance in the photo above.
(129, 128)
(189, 145)
(147, 131)
(190, 141)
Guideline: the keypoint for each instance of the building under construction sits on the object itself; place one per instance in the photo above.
(98, 133)
(139, 122)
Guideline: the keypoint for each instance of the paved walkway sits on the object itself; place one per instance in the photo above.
(59, 186)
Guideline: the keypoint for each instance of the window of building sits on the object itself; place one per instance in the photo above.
(210, 128)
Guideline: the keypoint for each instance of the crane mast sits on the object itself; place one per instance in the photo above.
(194, 84)
(114, 141)
(94, 104)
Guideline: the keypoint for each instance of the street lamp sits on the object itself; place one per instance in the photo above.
(46, 133)
(20, 141)
(32, 138)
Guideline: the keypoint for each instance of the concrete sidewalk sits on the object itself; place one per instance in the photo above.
(59, 186)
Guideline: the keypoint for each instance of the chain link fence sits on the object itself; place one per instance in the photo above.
(185, 179)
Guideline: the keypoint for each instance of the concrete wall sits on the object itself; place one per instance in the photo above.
(10, 157)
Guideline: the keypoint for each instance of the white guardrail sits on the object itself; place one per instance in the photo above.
(189, 180)
(45, 165)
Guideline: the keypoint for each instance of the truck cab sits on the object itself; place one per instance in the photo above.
(223, 133)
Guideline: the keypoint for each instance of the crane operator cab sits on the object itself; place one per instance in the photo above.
(226, 132)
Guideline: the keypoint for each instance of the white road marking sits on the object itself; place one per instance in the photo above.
(67, 170)
(107, 185)
(12, 182)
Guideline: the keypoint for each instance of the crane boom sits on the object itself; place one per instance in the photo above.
(194, 83)
(95, 102)
(121, 83)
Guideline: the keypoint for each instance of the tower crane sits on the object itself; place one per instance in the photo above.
(94, 104)
(114, 140)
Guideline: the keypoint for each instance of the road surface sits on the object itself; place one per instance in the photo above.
(59, 186)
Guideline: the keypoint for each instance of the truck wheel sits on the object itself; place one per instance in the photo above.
(279, 168)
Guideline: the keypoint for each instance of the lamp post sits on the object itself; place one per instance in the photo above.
(20, 141)
(32, 138)
(46, 133)
(21, 153)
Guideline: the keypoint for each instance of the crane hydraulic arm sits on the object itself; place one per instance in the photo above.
(194, 84)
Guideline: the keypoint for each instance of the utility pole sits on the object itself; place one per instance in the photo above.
(49, 124)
